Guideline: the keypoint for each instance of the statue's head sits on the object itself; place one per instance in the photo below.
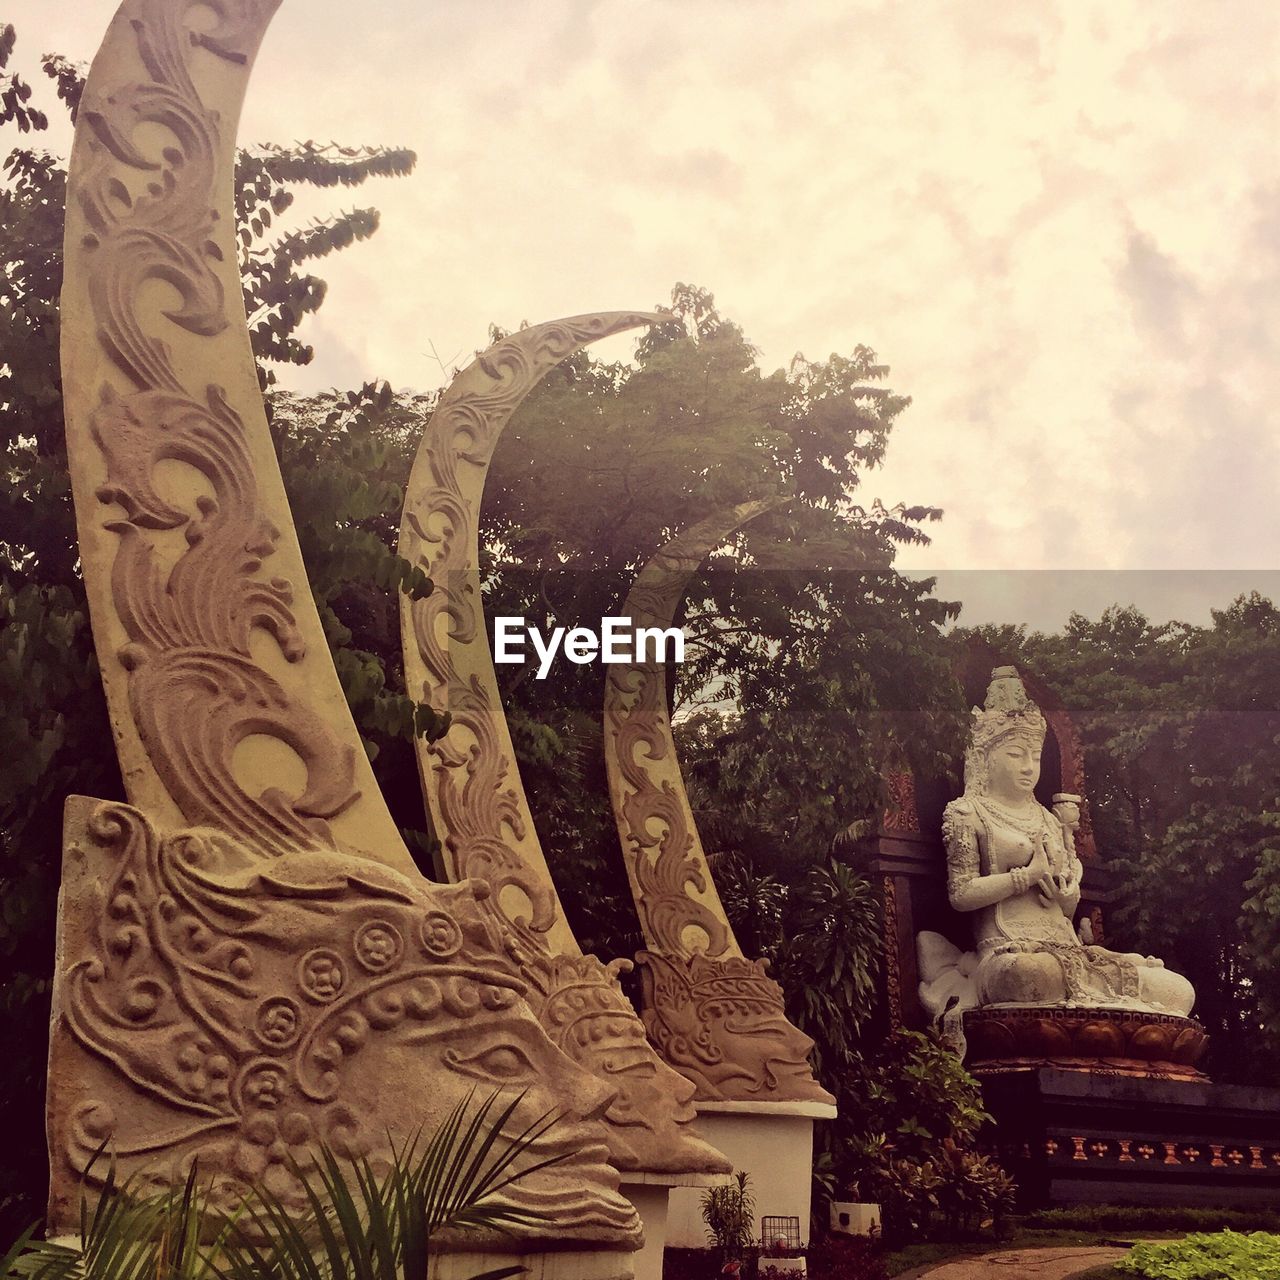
(721, 1021)
(649, 1123)
(251, 1009)
(1005, 740)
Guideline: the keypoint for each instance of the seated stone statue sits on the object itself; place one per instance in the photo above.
(1012, 864)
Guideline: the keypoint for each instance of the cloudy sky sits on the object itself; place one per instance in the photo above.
(1058, 222)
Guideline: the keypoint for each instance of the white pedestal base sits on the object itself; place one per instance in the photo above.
(650, 1194)
(651, 1204)
(585, 1264)
(773, 1142)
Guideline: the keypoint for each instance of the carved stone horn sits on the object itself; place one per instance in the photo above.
(237, 978)
(470, 778)
(224, 701)
(734, 1049)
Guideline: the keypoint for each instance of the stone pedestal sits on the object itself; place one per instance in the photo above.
(1077, 1137)
(556, 1264)
(651, 1194)
(1005, 1039)
(773, 1142)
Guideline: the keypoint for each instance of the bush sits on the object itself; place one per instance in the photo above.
(1222, 1255)
(1136, 1218)
(918, 1163)
(839, 1257)
(729, 1213)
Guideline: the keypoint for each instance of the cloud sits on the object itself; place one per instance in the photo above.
(1048, 219)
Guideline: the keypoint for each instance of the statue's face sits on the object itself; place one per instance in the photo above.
(251, 1009)
(1013, 768)
(650, 1119)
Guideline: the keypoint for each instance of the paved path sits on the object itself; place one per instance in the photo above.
(1012, 1264)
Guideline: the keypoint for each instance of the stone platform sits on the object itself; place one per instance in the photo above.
(1110, 1042)
(1079, 1137)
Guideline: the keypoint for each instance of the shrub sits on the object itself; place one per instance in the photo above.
(375, 1226)
(1136, 1218)
(729, 1213)
(839, 1257)
(1222, 1255)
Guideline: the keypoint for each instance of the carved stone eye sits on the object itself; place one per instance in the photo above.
(504, 1063)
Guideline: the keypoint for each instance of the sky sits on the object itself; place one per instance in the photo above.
(1058, 222)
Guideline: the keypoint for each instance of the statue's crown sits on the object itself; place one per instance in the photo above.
(1007, 712)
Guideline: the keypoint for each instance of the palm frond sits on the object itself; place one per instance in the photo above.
(360, 1223)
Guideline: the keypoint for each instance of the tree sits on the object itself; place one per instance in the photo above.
(799, 634)
(52, 709)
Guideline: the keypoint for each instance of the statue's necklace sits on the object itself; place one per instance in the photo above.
(1029, 822)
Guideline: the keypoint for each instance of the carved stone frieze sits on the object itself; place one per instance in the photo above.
(211, 1003)
(470, 778)
(721, 1023)
(215, 666)
(1120, 1042)
(714, 1015)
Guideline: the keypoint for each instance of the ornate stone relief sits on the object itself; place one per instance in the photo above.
(247, 961)
(215, 1003)
(469, 775)
(714, 1015)
(210, 653)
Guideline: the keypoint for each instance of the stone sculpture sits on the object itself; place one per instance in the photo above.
(470, 778)
(248, 961)
(713, 1014)
(1010, 864)
(1035, 990)
(218, 1005)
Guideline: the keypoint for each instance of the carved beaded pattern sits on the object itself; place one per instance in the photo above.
(321, 975)
(379, 946)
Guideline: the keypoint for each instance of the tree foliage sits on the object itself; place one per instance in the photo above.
(798, 631)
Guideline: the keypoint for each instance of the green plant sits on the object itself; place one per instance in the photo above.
(1118, 1218)
(1222, 1255)
(974, 1192)
(363, 1223)
(729, 1213)
(838, 1257)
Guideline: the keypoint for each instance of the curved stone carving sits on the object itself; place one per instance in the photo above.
(238, 975)
(716, 1016)
(469, 775)
(214, 1003)
(1119, 1042)
(217, 674)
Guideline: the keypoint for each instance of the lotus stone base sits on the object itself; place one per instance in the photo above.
(1110, 1042)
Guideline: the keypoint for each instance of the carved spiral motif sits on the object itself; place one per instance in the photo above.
(379, 946)
(150, 171)
(321, 975)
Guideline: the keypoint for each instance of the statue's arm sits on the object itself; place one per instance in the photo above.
(967, 888)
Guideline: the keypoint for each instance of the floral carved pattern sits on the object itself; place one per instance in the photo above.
(469, 776)
(212, 1005)
(186, 542)
(714, 1015)
(472, 785)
